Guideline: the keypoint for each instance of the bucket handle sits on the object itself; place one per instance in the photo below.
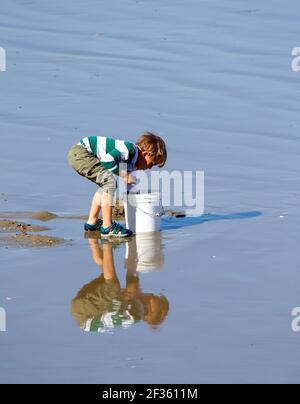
(162, 212)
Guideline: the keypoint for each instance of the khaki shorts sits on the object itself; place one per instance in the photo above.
(89, 166)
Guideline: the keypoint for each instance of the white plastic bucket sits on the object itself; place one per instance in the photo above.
(144, 253)
(143, 212)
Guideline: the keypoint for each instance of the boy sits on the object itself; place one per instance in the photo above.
(98, 159)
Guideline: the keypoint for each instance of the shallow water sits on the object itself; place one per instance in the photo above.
(214, 78)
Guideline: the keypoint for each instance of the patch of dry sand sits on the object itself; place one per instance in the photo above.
(44, 216)
(30, 241)
(22, 238)
(12, 226)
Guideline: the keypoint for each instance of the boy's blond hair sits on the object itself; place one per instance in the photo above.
(154, 145)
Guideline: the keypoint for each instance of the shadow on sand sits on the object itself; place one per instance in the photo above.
(174, 224)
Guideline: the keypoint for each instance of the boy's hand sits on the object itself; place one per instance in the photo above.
(130, 188)
(128, 178)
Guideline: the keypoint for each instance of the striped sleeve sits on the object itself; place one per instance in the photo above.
(131, 151)
(117, 151)
(111, 161)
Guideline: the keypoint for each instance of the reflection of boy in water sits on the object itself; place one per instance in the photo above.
(102, 304)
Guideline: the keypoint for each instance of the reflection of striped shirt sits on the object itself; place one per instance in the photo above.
(112, 152)
(108, 321)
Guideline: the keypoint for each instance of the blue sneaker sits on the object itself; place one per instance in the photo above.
(93, 227)
(115, 230)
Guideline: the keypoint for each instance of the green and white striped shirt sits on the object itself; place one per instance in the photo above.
(112, 152)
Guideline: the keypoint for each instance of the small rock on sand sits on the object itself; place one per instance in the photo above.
(172, 213)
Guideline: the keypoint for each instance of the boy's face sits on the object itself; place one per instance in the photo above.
(149, 161)
(145, 161)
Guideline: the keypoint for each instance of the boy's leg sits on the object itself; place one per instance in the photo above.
(104, 197)
(95, 209)
(102, 200)
(107, 202)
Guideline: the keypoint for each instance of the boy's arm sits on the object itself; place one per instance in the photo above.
(113, 165)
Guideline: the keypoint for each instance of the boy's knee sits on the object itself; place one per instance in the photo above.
(107, 182)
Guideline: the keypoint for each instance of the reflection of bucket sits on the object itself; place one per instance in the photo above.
(143, 212)
(144, 253)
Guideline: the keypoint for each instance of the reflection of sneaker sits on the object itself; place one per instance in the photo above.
(92, 235)
(115, 242)
(93, 227)
(115, 230)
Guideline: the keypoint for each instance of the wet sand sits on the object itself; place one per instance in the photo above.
(64, 286)
(25, 240)
(214, 78)
(44, 216)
